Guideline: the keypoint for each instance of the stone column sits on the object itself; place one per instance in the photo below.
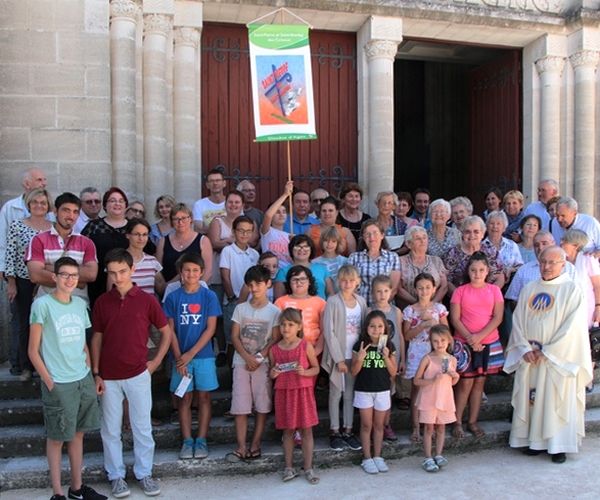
(186, 101)
(584, 63)
(550, 71)
(157, 28)
(123, 24)
(380, 57)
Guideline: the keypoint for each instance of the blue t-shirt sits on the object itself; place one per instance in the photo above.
(319, 271)
(190, 313)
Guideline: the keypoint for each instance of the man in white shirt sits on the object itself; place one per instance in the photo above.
(91, 206)
(567, 218)
(206, 209)
(548, 188)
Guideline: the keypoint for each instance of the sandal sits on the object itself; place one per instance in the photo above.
(429, 465)
(253, 454)
(235, 457)
(458, 431)
(415, 437)
(288, 474)
(474, 429)
(311, 477)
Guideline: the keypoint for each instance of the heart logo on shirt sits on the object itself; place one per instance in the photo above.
(194, 308)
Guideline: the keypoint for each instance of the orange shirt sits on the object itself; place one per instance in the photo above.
(312, 309)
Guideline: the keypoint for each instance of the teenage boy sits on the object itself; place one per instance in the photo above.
(236, 259)
(254, 330)
(192, 312)
(121, 321)
(58, 351)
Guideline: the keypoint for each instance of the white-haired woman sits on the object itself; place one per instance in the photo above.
(416, 262)
(441, 238)
(460, 208)
(508, 250)
(455, 261)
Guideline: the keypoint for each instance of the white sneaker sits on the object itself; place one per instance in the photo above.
(368, 465)
(150, 486)
(380, 464)
(119, 488)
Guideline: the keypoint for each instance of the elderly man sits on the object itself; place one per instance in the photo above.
(316, 198)
(548, 188)
(249, 191)
(549, 353)
(567, 218)
(302, 219)
(91, 206)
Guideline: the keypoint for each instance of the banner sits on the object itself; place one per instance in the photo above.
(282, 90)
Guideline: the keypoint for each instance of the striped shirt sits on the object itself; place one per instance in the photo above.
(145, 271)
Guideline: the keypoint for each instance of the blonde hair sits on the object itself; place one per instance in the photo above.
(348, 271)
(442, 331)
(38, 192)
(328, 234)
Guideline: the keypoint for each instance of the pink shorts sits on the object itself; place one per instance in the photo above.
(436, 417)
(251, 389)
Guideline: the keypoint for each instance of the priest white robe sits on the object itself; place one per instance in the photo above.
(549, 397)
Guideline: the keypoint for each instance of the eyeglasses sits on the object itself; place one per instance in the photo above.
(94, 202)
(302, 247)
(66, 276)
(136, 211)
(299, 281)
(318, 200)
(551, 262)
(244, 232)
(177, 220)
(248, 190)
(139, 235)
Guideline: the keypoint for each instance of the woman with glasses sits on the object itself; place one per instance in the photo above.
(107, 232)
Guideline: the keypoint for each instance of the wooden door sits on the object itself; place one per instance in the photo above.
(227, 121)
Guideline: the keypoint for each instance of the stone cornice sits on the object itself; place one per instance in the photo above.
(381, 49)
(157, 24)
(127, 9)
(187, 36)
(584, 58)
(550, 64)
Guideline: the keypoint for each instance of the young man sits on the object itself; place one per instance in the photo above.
(192, 312)
(121, 321)
(421, 197)
(206, 209)
(254, 330)
(58, 352)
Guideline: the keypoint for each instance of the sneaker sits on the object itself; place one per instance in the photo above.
(297, 439)
(150, 486)
(429, 465)
(484, 398)
(200, 448)
(119, 488)
(380, 464)
(440, 461)
(368, 465)
(352, 442)
(26, 375)
(58, 497)
(336, 442)
(85, 493)
(389, 434)
(187, 449)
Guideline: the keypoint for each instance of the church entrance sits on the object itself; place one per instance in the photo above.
(458, 126)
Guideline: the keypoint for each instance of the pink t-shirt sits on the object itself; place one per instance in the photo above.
(477, 308)
(312, 308)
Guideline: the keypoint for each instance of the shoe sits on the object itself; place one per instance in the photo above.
(429, 465)
(297, 439)
(15, 371)
(559, 458)
(389, 434)
(86, 493)
(440, 461)
(531, 453)
(311, 477)
(200, 448)
(150, 486)
(380, 464)
(119, 488)
(221, 359)
(26, 375)
(484, 398)
(187, 449)
(289, 474)
(368, 465)
(352, 442)
(336, 442)
(58, 497)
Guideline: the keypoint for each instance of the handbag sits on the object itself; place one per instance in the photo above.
(462, 354)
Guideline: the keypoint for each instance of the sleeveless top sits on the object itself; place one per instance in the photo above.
(291, 380)
(171, 255)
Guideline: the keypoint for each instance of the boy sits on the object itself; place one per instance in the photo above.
(254, 330)
(192, 312)
(236, 259)
(58, 351)
(121, 321)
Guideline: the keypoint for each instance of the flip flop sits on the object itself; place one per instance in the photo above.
(474, 429)
(253, 454)
(235, 457)
(458, 431)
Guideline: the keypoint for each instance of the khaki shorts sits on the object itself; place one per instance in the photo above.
(251, 388)
(69, 408)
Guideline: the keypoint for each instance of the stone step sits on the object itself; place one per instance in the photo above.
(32, 471)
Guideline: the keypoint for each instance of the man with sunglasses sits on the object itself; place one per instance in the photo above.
(91, 206)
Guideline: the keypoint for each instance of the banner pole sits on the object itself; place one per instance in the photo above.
(289, 169)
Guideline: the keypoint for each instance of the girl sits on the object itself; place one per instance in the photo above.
(476, 311)
(272, 236)
(382, 295)
(294, 366)
(418, 319)
(342, 320)
(436, 376)
(373, 366)
(329, 242)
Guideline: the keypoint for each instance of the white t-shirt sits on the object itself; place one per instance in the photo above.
(276, 241)
(238, 261)
(205, 210)
(353, 316)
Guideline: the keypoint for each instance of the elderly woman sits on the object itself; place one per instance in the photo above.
(386, 203)
(405, 205)
(530, 225)
(20, 288)
(513, 208)
(107, 233)
(416, 262)
(508, 250)
(374, 259)
(351, 216)
(587, 271)
(493, 201)
(328, 216)
(135, 210)
(473, 229)
(460, 208)
(162, 211)
(441, 237)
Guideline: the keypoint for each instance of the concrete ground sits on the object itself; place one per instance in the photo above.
(497, 473)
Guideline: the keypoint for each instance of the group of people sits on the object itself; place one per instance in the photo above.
(420, 303)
